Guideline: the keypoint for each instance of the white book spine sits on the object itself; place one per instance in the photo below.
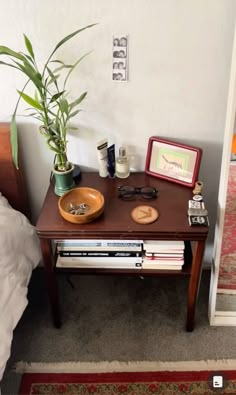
(100, 242)
(166, 257)
(158, 262)
(163, 245)
(96, 248)
(102, 260)
(162, 267)
(102, 265)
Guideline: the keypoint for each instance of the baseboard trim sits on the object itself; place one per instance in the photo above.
(117, 366)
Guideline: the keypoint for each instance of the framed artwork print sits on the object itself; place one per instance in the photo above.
(173, 161)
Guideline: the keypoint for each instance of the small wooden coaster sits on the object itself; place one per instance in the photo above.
(144, 214)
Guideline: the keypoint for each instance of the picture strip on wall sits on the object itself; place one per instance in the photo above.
(120, 58)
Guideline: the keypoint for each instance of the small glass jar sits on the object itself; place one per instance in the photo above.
(122, 164)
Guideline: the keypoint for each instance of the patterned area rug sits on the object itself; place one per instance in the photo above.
(227, 274)
(130, 383)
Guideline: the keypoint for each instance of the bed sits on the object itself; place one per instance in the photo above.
(20, 252)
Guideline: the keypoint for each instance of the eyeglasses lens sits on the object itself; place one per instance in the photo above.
(127, 192)
(148, 192)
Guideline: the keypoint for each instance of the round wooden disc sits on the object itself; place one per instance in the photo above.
(144, 214)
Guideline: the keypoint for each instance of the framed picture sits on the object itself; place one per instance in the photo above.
(173, 161)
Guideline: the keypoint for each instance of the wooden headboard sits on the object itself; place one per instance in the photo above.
(12, 181)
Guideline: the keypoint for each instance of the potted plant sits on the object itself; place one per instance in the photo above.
(50, 104)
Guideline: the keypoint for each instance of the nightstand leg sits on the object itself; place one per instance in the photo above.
(194, 283)
(51, 280)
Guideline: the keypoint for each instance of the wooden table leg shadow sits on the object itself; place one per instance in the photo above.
(51, 280)
(194, 283)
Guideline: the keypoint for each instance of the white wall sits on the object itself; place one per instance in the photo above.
(179, 56)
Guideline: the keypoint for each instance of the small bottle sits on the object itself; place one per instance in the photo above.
(122, 164)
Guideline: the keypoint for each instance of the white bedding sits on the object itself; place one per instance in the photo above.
(19, 254)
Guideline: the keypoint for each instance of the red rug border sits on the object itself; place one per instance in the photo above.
(226, 287)
(119, 377)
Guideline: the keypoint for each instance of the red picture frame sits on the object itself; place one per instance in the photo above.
(173, 161)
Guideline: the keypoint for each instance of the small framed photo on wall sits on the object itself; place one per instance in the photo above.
(120, 58)
(173, 161)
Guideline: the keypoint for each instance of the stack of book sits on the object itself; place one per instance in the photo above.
(163, 254)
(116, 254)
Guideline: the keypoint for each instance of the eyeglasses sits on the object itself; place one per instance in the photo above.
(127, 192)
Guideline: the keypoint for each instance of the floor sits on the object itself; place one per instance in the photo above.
(116, 318)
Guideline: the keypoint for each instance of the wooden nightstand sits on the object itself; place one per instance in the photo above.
(116, 223)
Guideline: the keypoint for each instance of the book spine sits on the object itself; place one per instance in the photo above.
(159, 259)
(110, 266)
(158, 262)
(160, 252)
(164, 256)
(101, 248)
(99, 243)
(165, 244)
(100, 253)
(101, 259)
(162, 267)
(94, 264)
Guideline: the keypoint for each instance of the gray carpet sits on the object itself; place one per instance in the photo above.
(226, 302)
(108, 318)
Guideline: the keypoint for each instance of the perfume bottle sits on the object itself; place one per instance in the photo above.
(122, 164)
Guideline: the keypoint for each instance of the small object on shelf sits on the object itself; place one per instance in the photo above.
(198, 220)
(122, 164)
(198, 188)
(144, 214)
(197, 211)
(78, 209)
(195, 204)
(111, 160)
(198, 198)
(102, 157)
(90, 200)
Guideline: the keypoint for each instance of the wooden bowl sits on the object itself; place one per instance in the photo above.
(91, 197)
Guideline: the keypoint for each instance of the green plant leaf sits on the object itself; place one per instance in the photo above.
(56, 61)
(8, 51)
(74, 66)
(56, 96)
(29, 100)
(72, 35)
(65, 39)
(33, 75)
(78, 101)
(14, 140)
(73, 114)
(28, 57)
(64, 106)
(53, 145)
(53, 78)
(9, 64)
(65, 66)
(29, 46)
